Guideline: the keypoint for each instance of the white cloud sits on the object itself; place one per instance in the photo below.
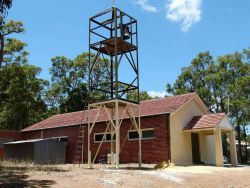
(188, 12)
(159, 94)
(145, 5)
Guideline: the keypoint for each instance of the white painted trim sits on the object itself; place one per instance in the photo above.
(59, 137)
(146, 129)
(104, 138)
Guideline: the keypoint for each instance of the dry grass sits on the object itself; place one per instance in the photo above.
(164, 165)
(27, 174)
(30, 166)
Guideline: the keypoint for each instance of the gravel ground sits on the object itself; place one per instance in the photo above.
(127, 176)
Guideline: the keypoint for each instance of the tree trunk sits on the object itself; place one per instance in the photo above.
(245, 140)
(239, 144)
(1, 49)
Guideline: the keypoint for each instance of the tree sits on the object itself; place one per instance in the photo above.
(68, 90)
(21, 101)
(216, 81)
(236, 78)
(4, 6)
(195, 79)
(143, 96)
(12, 50)
(21, 92)
(248, 138)
(75, 101)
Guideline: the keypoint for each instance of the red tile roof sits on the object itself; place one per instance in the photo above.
(149, 107)
(205, 121)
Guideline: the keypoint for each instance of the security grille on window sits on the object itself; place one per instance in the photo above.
(107, 137)
(146, 134)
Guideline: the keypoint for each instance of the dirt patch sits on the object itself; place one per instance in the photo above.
(129, 175)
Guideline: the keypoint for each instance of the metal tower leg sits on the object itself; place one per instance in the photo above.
(140, 137)
(117, 150)
(89, 152)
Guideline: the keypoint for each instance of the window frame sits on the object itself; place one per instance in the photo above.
(104, 140)
(146, 129)
(61, 137)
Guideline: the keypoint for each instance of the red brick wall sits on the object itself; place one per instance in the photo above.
(8, 134)
(31, 135)
(154, 150)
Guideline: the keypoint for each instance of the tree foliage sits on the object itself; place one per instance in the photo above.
(11, 49)
(21, 92)
(21, 102)
(68, 90)
(4, 6)
(134, 95)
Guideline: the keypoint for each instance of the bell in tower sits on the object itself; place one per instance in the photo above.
(125, 32)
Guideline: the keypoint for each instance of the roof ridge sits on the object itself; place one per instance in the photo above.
(212, 114)
(70, 112)
(154, 99)
(167, 97)
(149, 100)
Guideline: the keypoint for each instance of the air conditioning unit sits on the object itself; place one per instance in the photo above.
(111, 157)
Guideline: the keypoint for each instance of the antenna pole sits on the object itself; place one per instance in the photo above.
(113, 1)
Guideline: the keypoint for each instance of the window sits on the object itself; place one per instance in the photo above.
(64, 139)
(132, 135)
(61, 138)
(107, 137)
(146, 134)
(99, 137)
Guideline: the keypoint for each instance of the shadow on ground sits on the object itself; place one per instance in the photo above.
(137, 168)
(16, 177)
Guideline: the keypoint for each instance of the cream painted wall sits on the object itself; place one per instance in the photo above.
(181, 149)
(209, 150)
(225, 124)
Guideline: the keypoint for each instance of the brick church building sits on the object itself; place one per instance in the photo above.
(177, 128)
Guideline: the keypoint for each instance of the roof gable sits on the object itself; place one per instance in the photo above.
(205, 121)
(147, 108)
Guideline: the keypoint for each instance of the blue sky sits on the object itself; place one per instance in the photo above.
(171, 32)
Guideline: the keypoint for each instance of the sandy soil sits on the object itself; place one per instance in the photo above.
(128, 176)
